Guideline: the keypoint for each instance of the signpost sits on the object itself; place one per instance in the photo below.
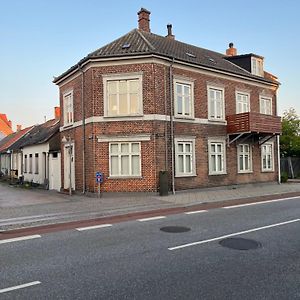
(99, 180)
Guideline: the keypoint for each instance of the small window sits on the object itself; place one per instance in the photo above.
(36, 163)
(267, 157)
(123, 97)
(184, 102)
(265, 104)
(30, 163)
(242, 102)
(217, 157)
(185, 157)
(25, 163)
(68, 108)
(244, 158)
(215, 103)
(54, 154)
(257, 66)
(125, 159)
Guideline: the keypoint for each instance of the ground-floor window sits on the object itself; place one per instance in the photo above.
(244, 158)
(185, 157)
(217, 157)
(125, 159)
(267, 157)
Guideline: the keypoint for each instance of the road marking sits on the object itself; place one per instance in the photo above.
(151, 219)
(195, 212)
(261, 202)
(22, 238)
(93, 227)
(17, 287)
(232, 234)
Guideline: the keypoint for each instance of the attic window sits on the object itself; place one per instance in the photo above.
(126, 46)
(257, 66)
(190, 54)
(211, 59)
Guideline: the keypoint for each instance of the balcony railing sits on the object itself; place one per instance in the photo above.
(253, 122)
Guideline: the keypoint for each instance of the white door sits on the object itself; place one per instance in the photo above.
(54, 171)
(69, 166)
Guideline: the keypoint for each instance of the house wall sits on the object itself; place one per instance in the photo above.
(42, 174)
(156, 153)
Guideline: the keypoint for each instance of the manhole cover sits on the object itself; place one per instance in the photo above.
(175, 229)
(240, 244)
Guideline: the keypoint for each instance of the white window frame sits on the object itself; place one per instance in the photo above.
(120, 154)
(185, 140)
(257, 66)
(223, 156)
(263, 153)
(262, 105)
(222, 109)
(123, 77)
(30, 164)
(244, 155)
(237, 93)
(68, 108)
(191, 115)
(25, 163)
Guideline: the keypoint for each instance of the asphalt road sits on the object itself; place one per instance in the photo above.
(136, 260)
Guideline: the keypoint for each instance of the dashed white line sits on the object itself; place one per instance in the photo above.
(22, 238)
(17, 287)
(195, 212)
(261, 202)
(94, 227)
(151, 219)
(232, 234)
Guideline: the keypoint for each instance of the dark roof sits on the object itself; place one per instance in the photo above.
(38, 135)
(13, 138)
(138, 42)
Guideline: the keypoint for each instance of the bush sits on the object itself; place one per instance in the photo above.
(284, 177)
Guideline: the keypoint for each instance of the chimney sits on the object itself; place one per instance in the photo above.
(231, 51)
(57, 112)
(170, 35)
(19, 128)
(144, 20)
(10, 124)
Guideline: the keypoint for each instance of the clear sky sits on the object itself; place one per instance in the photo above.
(41, 39)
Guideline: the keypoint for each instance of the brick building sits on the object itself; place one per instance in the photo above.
(146, 103)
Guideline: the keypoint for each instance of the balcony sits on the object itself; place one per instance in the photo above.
(252, 122)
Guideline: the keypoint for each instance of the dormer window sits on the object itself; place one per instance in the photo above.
(257, 66)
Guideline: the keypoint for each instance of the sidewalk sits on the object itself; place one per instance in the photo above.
(26, 208)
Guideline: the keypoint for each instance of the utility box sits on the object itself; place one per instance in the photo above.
(163, 183)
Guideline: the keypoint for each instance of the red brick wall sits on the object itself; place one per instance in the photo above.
(156, 86)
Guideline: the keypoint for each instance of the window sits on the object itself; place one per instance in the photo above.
(242, 102)
(123, 96)
(217, 163)
(244, 158)
(68, 108)
(184, 102)
(215, 103)
(54, 154)
(185, 157)
(25, 163)
(267, 158)
(257, 66)
(30, 163)
(125, 159)
(36, 163)
(265, 104)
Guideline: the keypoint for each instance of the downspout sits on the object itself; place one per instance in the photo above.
(278, 146)
(83, 128)
(172, 126)
(166, 122)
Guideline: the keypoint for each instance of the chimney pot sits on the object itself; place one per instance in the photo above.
(170, 35)
(144, 19)
(231, 51)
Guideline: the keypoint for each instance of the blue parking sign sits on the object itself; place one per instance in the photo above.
(99, 177)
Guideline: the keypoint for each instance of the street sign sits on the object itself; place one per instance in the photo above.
(99, 177)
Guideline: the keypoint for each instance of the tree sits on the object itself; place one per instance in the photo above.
(290, 138)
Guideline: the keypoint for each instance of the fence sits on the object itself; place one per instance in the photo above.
(291, 166)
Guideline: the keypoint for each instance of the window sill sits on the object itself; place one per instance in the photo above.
(185, 175)
(245, 172)
(184, 117)
(123, 116)
(217, 121)
(214, 174)
(125, 177)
